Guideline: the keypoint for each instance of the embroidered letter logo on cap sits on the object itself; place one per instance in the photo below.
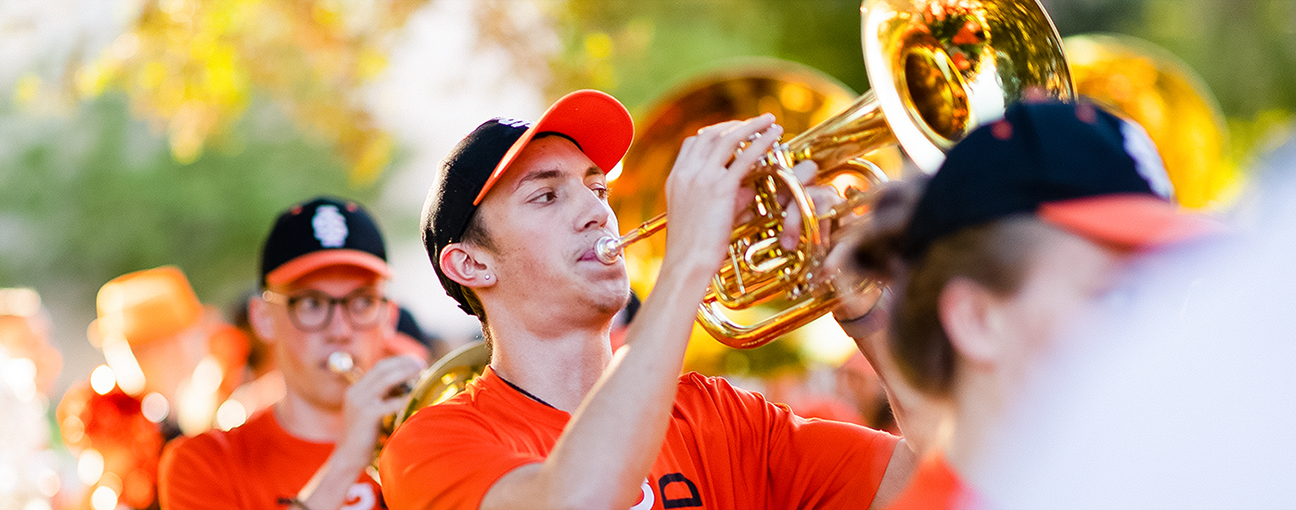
(330, 226)
(1146, 159)
(513, 122)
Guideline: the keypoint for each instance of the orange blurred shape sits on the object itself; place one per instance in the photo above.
(230, 346)
(114, 425)
(147, 305)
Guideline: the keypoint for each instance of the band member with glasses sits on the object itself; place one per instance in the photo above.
(323, 273)
(558, 420)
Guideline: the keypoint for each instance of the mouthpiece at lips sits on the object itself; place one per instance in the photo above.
(341, 363)
(606, 249)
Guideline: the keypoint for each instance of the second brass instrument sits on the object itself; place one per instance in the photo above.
(939, 69)
(444, 379)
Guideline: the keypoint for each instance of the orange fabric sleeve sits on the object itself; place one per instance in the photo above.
(810, 463)
(445, 457)
(826, 464)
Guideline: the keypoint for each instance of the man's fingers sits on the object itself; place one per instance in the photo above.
(805, 171)
(718, 129)
(388, 374)
(726, 143)
(791, 227)
(392, 405)
(765, 139)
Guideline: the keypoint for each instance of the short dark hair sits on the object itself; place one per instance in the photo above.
(993, 255)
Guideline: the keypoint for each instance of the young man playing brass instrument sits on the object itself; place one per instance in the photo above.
(560, 421)
(323, 272)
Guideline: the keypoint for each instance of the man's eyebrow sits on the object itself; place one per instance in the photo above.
(593, 170)
(538, 175)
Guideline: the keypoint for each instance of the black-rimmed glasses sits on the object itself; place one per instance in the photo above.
(312, 310)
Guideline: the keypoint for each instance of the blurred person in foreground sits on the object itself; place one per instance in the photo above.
(169, 362)
(1027, 224)
(558, 420)
(324, 270)
(1194, 353)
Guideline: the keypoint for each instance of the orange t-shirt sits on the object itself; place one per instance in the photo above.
(253, 466)
(725, 448)
(935, 486)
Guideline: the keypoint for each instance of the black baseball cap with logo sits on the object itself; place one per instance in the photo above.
(322, 232)
(1072, 165)
(596, 122)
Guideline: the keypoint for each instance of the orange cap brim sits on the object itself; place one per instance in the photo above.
(300, 266)
(1133, 221)
(599, 123)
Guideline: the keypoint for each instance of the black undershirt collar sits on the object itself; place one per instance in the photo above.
(524, 392)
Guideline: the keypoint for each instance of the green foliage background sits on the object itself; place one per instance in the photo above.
(96, 194)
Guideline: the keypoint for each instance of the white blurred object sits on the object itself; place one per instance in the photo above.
(1180, 394)
(25, 463)
(443, 78)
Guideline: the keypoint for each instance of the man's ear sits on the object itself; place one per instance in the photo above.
(467, 265)
(260, 320)
(971, 318)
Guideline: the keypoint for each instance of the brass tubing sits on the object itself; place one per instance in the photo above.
(608, 248)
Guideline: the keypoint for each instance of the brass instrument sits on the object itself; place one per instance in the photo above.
(444, 379)
(939, 69)
(1152, 87)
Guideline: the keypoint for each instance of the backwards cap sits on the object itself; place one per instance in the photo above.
(596, 122)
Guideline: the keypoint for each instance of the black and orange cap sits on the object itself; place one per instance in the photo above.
(1072, 165)
(596, 122)
(319, 233)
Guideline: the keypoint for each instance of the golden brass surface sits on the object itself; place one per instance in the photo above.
(939, 69)
(1147, 84)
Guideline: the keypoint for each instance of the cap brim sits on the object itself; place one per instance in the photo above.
(1133, 220)
(599, 123)
(300, 266)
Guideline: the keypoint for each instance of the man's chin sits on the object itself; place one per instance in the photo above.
(611, 296)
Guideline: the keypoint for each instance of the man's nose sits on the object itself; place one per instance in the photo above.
(595, 213)
(339, 326)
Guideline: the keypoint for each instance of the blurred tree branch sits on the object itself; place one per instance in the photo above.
(193, 66)
(90, 196)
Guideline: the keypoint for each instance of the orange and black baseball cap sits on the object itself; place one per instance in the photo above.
(1072, 165)
(322, 232)
(596, 122)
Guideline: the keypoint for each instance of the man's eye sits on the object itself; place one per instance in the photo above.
(360, 303)
(309, 303)
(601, 192)
(545, 197)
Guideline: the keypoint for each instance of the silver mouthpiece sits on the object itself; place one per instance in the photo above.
(608, 249)
(341, 363)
